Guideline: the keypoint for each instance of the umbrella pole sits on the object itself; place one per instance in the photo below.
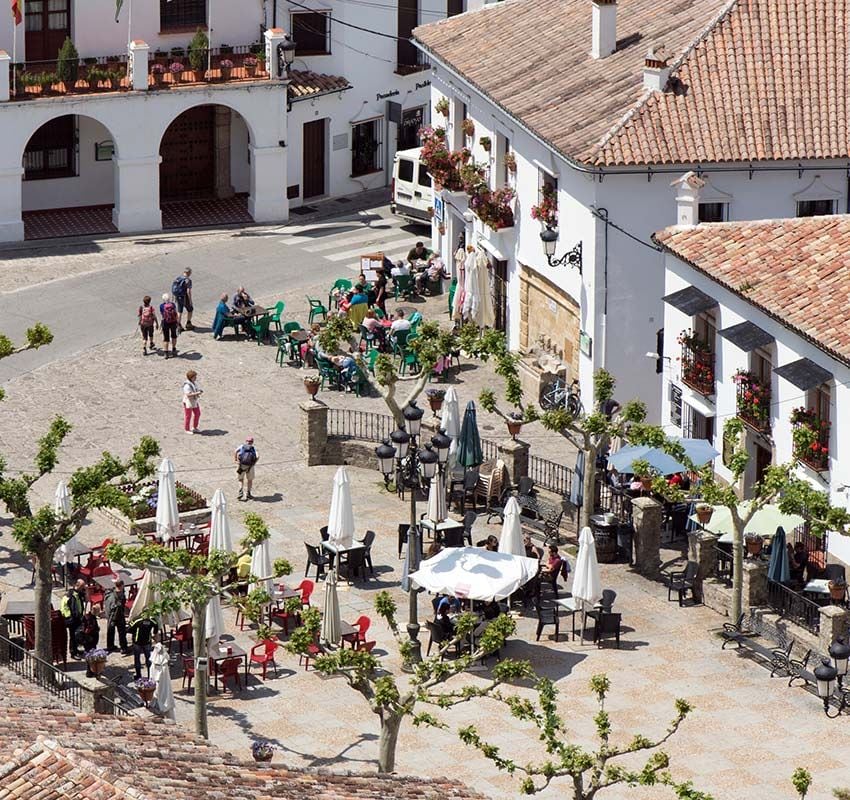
(412, 596)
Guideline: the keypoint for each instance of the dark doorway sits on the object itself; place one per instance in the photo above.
(48, 22)
(764, 459)
(500, 293)
(314, 159)
(412, 119)
(187, 171)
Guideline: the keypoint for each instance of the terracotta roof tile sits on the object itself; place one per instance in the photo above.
(797, 270)
(304, 84)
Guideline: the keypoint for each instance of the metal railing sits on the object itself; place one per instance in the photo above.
(346, 423)
(47, 677)
(550, 475)
(226, 64)
(723, 565)
(610, 500)
(753, 402)
(698, 369)
(112, 707)
(793, 606)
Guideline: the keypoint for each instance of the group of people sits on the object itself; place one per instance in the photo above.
(170, 319)
(238, 313)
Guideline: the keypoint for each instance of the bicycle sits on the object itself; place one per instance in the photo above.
(559, 396)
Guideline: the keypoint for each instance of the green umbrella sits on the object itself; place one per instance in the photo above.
(765, 521)
(469, 445)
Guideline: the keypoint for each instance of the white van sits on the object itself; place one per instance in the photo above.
(412, 194)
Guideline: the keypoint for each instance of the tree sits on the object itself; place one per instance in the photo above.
(37, 336)
(40, 533)
(191, 580)
(589, 771)
(391, 703)
(802, 781)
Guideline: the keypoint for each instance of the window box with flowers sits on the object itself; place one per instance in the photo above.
(753, 400)
(494, 208)
(810, 437)
(546, 211)
(697, 363)
(443, 164)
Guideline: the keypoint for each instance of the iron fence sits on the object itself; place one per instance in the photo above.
(610, 500)
(793, 606)
(549, 475)
(47, 677)
(113, 707)
(345, 423)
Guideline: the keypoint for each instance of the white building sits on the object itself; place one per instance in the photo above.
(569, 89)
(761, 308)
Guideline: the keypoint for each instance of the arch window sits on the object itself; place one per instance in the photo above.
(52, 150)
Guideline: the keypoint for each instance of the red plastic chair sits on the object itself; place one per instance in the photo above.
(284, 617)
(357, 639)
(266, 657)
(228, 668)
(306, 588)
(188, 670)
(313, 650)
(87, 571)
(94, 596)
(182, 634)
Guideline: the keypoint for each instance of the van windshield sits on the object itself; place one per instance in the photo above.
(405, 170)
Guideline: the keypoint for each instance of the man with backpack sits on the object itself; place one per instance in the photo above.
(71, 607)
(170, 321)
(181, 288)
(246, 457)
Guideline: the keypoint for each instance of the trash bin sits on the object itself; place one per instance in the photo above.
(625, 537)
(604, 527)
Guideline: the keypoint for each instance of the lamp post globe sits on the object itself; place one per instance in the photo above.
(839, 652)
(428, 460)
(441, 443)
(413, 417)
(549, 237)
(401, 439)
(386, 457)
(825, 676)
(289, 51)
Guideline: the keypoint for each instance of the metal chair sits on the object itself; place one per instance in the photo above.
(682, 581)
(368, 541)
(316, 559)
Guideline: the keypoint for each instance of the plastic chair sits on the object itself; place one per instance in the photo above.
(403, 285)
(306, 588)
(368, 541)
(415, 318)
(313, 650)
(399, 341)
(359, 636)
(368, 337)
(379, 314)
(285, 617)
(260, 328)
(371, 359)
(276, 314)
(264, 658)
(341, 284)
(182, 634)
(188, 671)
(228, 668)
(316, 309)
(94, 596)
(316, 559)
(327, 371)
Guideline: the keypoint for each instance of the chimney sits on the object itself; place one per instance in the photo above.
(655, 70)
(604, 41)
(687, 198)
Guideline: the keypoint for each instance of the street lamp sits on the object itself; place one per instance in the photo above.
(549, 237)
(441, 443)
(839, 652)
(825, 676)
(285, 56)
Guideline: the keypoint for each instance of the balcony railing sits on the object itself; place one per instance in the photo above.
(753, 401)
(697, 367)
(793, 606)
(810, 436)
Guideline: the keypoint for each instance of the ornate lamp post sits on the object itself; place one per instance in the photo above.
(825, 676)
(549, 237)
(839, 652)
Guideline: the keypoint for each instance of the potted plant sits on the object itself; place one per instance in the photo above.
(546, 211)
(311, 384)
(754, 544)
(485, 142)
(435, 399)
(176, 69)
(442, 106)
(94, 75)
(157, 71)
(46, 81)
(644, 472)
(510, 163)
(68, 65)
(837, 589)
(114, 77)
(468, 127)
(262, 750)
(226, 67)
(704, 512)
(96, 660)
(145, 687)
(514, 422)
(198, 49)
(250, 64)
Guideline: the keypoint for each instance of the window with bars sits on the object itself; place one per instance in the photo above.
(815, 208)
(51, 152)
(311, 31)
(177, 14)
(696, 425)
(367, 147)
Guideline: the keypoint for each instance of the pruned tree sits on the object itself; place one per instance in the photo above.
(590, 771)
(36, 336)
(392, 703)
(41, 532)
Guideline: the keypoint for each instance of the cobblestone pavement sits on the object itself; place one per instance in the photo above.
(744, 739)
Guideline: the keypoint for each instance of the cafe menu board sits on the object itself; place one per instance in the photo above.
(370, 264)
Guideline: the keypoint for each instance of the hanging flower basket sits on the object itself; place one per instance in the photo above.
(442, 106)
(704, 513)
(262, 750)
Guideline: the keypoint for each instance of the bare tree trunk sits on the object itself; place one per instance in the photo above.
(199, 633)
(43, 596)
(390, 725)
(737, 571)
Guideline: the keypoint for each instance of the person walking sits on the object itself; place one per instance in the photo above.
(246, 457)
(71, 608)
(147, 323)
(142, 631)
(89, 634)
(181, 288)
(115, 608)
(191, 402)
(170, 320)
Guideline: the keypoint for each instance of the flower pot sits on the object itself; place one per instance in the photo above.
(837, 590)
(263, 757)
(198, 75)
(704, 515)
(646, 483)
(146, 694)
(225, 73)
(157, 79)
(312, 389)
(436, 404)
(754, 545)
(97, 667)
(514, 427)
(251, 70)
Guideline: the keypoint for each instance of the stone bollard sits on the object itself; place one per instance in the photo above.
(93, 691)
(834, 623)
(646, 517)
(754, 591)
(515, 455)
(314, 431)
(701, 546)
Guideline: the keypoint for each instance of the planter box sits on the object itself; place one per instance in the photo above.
(197, 516)
(459, 199)
(502, 240)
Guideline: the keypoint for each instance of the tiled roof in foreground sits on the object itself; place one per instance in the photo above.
(305, 84)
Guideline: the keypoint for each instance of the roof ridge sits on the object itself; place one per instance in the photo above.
(648, 94)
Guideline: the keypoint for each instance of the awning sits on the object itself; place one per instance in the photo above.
(804, 374)
(690, 301)
(747, 336)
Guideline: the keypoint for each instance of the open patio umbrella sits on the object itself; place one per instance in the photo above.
(699, 451)
(437, 502)
(659, 460)
(161, 673)
(167, 519)
(469, 453)
(147, 595)
(587, 582)
(511, 539)
(261, 567)
(778, 569)
(214, 626)
(764, 522)
(341, 517)
(474, 573)
(330, 612)
(220, 525)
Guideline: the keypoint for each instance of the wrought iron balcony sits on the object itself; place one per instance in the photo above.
(753, 401)
(697, 366)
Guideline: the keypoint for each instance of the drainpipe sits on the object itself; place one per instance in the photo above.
(602, 213)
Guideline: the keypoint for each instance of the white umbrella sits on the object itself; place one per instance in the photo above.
(167, 519)
(474, 573)
(261, 567)
(451, 425)
(148, 594)
(214, 622)
(161, 673)
(437, 502)
(220, 524)
(330, 612)
(62, 508)
(587, 583)
(511, 538)
(341, 517)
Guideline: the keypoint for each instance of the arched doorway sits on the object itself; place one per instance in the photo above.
(68, 186)
(204, 174)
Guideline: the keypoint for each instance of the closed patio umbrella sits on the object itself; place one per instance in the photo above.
(161, 673)
(220, 525)
(214, 622)
(511, 538)
(167, 519)
(587, 582)
(330, 611)
(437, 501)
(778, 569)
(261, 567)
(341, 517)
(469, 453)
(451, 425)
(147, 595)
(62, 508)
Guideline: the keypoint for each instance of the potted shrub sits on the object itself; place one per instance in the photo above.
(145, 687)
(311, 384)
(250, 64)
(468, 127)
(485, 142)
(176, 69)
(837, 589)
(226, 67)
(262, 750)
(198, 49)
(114, 77)
(46, 81)
(68, 65)
(157, 71)
(510, 163)
(435, 399)
(754, 544)
(442, 106)
(96, 660)
(704, 512)
(644, 473)
(546, 211)
(514, 422)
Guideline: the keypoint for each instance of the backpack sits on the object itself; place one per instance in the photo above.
(247, 456)
(169, 313)
(178, 286)
(565, 568)
(147, 317)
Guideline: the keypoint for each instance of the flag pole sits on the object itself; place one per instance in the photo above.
(130, 38)
(209, 37)
(14, 56)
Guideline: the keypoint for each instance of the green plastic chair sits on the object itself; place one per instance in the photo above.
(371, 358)
(316, 309)
(276, 314)
(327, 371)
(378, 313)
(452, 290)
(414, 318)
(343, 284)
(414, 329)
(261, 328)
(359, 383)
(403, 286)
(399, 342)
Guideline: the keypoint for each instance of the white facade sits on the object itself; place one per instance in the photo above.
(785, 396)
(619, 293)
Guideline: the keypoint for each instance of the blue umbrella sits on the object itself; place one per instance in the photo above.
(699, 451)
(659, 460)
(577, 488)
(469, 453)
(778, 569)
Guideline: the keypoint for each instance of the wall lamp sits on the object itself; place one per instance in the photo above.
(549, 237)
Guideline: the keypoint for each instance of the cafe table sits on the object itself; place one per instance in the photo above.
(570, 605)
(341, 552)
(129, 578)
(224, 651)
(439, 529)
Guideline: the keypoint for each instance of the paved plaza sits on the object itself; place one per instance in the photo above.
(745, 737)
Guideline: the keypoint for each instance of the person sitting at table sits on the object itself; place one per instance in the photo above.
(444, 621)
(492, 544)
(358, 302)
(308, 348)
(399, 323)
(531, 550)
(491, 610)
(374, 327)
(222, 311)
(445, 601)
(242, 299)
(400, 269)
(553, 563)
(798, 560)
(435, 271)
(419, 253)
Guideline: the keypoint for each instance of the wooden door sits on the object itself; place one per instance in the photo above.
(47, 24)
(314, 159)
(187, 171)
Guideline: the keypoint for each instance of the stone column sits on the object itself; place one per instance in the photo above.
(137, 194)
(754, 592)
(93, 691)
(646, 517)
(138, 55)
(701, 546)
(11, 222)
(834, 623)
(314, 431)
(515, 455)
(268, 202)
(223, 186)
(5, 60)
(274, 37)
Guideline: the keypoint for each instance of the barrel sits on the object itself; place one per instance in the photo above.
(604, 528)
